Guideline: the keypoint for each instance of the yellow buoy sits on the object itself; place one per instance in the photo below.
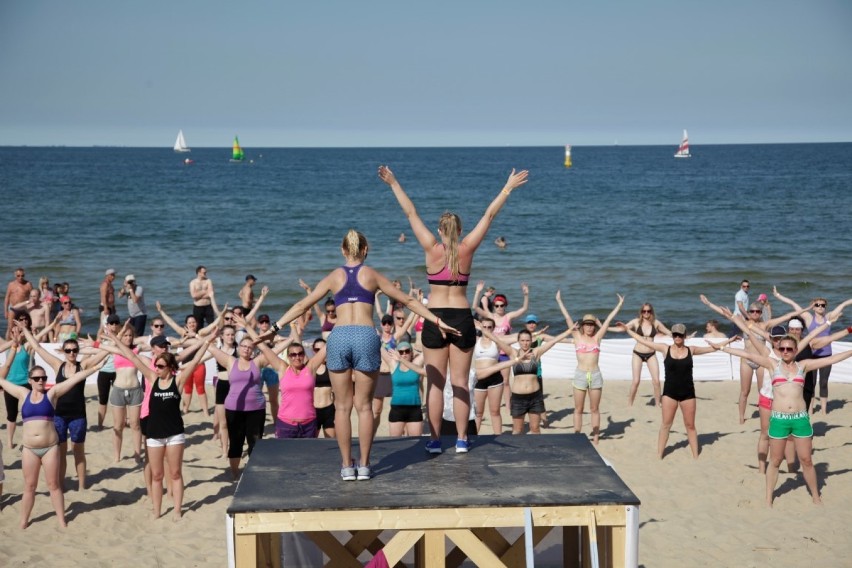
(567, 156)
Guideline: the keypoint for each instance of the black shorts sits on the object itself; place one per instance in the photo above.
(521, 404)
(459, 318)
(223, 386)
(325, 416)
(405, 413)
(105, 380)
(495, 380)
(679, 392)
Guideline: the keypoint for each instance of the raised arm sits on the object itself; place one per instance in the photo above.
(568, 321)
(545, 347)
(605, 325)
(503, 345)
(130, 355)
(188, 368)
(401, 330)
(65, 386)
(304, 286)
(179, 329)
(250, 317)
(812, 364)
(17, 391)
(51, 359)
(761, 360)
(421, 232)
(785, 299)
(785, 317)
(475, 236)
(522, 310)
(839, 309)
(319, 292)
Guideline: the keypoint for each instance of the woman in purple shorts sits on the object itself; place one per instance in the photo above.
(352, 354)
(448, 264)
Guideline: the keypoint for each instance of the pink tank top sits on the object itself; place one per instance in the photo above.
(297, 395)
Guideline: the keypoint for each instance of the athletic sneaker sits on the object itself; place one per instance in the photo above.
(348, 473)
(433, 446)
(364, 472)
(462, 446)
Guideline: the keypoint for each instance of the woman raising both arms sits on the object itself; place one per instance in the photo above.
(448, 264)
(587, 377)
(352, 352)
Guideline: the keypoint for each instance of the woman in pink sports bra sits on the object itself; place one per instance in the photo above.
(789, 412)
(448, 264)
(587, 376)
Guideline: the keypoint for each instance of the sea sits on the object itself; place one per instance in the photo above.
(628, 220)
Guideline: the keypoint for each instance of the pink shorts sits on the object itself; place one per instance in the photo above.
(764, 402)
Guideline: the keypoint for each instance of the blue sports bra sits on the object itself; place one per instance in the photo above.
(352, 291)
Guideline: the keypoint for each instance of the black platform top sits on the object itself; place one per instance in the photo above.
(547, 470)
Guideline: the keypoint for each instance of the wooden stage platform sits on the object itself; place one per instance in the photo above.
(536, 483)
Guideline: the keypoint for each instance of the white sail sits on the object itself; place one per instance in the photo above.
(683, 149)
(180, 143)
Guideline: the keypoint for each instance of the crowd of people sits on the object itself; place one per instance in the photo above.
(430, 350)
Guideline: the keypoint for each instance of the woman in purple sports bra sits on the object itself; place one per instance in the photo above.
(40, 439)
(352, 352)
(448, 263)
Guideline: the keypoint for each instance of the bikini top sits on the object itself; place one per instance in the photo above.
(641, 331)
(587, 348)
(781, 377)
(41, 410)
(528, 367)
(327, 325)
(444, 277)
(480, 352)
(352, 291)
(68, 320)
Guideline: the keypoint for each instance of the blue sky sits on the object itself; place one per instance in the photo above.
(440, 73)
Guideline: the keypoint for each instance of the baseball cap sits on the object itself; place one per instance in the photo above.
(130, 278)
(762, 298)
(679, 328)
(531, 318)
(160, 341)
(403, 345)
(777, 331)
(109, 271)
(250, 277)
(263, 318)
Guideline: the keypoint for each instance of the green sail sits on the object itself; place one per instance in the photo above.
(238, 152)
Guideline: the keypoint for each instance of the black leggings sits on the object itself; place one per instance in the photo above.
(12, 404)
(823, 381)
(244, 426)
(105, 380)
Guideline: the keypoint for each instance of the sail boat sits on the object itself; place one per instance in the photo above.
(683, 149)
(238, 155)
(180, 143)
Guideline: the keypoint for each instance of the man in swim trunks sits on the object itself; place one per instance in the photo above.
(107, 295)
(18, 290)
(201, 290)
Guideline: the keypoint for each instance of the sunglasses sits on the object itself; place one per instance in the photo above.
(499, 305)
(39, 379)
(647, 311)
(820, 305)
(229, 318)
(404, 351)
(755, 311)
(262, 321)
(330, 311)
(678, 335)
(74, 350)
(160, 366)
(156, 325)
(299, 354)
(786, 349)
(66, 303)
(399, 319)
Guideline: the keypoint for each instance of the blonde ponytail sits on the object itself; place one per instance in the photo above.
(450, 226)
(355, 245)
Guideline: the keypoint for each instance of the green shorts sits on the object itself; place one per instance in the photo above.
(782, 424)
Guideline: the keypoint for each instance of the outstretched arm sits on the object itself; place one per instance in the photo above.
(839, 309)
(522, 310)
(250, 316)
(812, 364)
(605, 325)
(785, 317)
(545, 347)
(475, 236)
(785, 299)
(17, 391)
(421, 232)
(412, 304)
(179, 329)
(762, 360)
(65, 386)
(187, 370)
(622, 327)
(48, 357)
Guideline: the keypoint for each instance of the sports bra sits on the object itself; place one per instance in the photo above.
(780, 378)
(352, 291)
(122, 362)
(529, 367)
(587, 348)
(41, 410)
(327, 325)
(323, 379)
(444, 277)
(480, 352)
(504, 327)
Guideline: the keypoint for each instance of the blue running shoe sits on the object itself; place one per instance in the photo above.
(433, 446)
(462, 446)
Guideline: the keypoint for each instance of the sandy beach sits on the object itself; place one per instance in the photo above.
(705, 512)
